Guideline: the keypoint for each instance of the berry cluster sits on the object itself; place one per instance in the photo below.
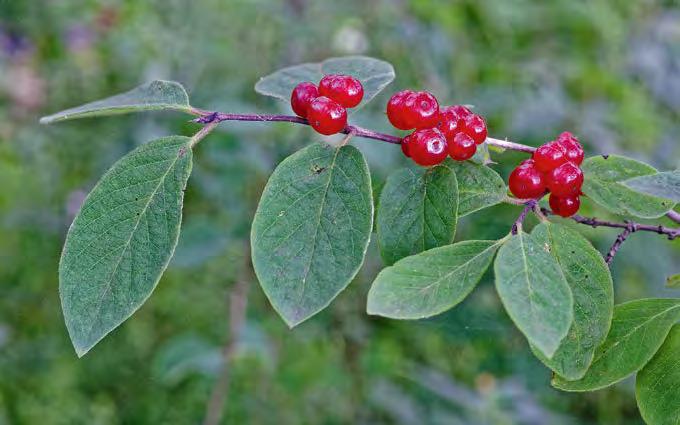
(554, 167)
(325, 106)
(452, 130)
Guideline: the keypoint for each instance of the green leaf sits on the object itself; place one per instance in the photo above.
(657, 385)
(479, 186)
(312, 228)
(673, 281)
(374, 75)
(432, 282)
(156, 95)
(664, 185)
(604, 184)
(534, 292)
(638, 329)
(418, 210)
(122, 240)
(591, 286)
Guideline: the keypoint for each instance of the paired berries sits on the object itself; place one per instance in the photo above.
(452, 130)
(554, 167)
(325, 106)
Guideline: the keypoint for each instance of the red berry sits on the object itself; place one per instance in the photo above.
(565, 180)
(405, 145)
(573, 149)
(326, 116)
(450, 122)
(475, 127)
(344, 89)
(526, 181)
(421, 110)
(302, 95)
(396, 109)
(564, 206)
(461, 111)
(549, 156)
(462, 147)
(427, 146)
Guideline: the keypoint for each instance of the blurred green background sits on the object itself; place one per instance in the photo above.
(607, 70)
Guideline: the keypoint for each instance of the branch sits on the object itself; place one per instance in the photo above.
(620, 239)
(206, 117)
(211, 118)
(672, 233)
(517, 226)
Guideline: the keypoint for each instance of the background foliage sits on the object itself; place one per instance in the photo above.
(607, 70)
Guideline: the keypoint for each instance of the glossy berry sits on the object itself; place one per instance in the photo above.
(396, 108)
(564, 206)
(344, 89)
(573, 149)
(526, 182)
(427, 146)
(302, 95)
(462, 147)
(450, 122)
(326, 116)
(549, 156)
(461, 111)
(405, 145)
(421, 110)
(565, 180)
(475, 127)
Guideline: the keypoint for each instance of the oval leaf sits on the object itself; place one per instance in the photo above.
(638, 329)
(374, 75)
(656, 386)
(591, 286)
(534, 292)
(156, 95)
(311, 229)
(604, 184)
(479, 186)
(664, 185)
(418, 210)
(122, 239)
(430, 283)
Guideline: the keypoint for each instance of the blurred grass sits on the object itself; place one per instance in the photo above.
(605, 69)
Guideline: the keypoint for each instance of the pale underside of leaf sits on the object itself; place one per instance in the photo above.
(156, 95)
(418, 210)
(534, 292)
(312, 228)
(591, 285)
(638, 329)
(374, 75)
(603, 184)
(664, 185)
(657, 386)
(432, 282)
(122, 239)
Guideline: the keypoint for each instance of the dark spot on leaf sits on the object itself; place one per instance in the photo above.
(605, 156)
(182, 151)
(317, 169)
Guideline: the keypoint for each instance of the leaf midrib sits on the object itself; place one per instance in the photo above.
(129, 240)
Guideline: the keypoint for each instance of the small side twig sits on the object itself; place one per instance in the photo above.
(620, 239)
(517, 225)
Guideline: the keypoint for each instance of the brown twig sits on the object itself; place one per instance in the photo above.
(620, 239)
(517, 225)
(670, 232)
